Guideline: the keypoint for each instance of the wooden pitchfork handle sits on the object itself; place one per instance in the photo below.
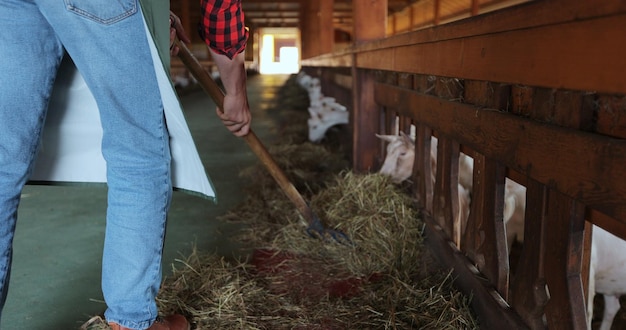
(208, 84)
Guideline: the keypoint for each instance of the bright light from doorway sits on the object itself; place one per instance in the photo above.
(289, 59)
(285, 63)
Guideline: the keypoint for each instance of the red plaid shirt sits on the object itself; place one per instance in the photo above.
(222, 26)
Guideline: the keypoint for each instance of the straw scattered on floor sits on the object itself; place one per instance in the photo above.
(383, 278)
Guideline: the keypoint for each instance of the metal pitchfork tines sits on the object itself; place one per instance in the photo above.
(315, 227)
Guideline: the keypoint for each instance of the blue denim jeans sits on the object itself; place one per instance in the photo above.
(108, 43)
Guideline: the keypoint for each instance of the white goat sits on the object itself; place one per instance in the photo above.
(321, 120)
(398, 163)
(607, 274)
(327, 103)
(303, 79)
(324, 110)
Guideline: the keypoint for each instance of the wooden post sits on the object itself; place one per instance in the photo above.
(475, 7)
(529, 295)
(563, 262)
(316, 27)
(370, 22)
(370, 19)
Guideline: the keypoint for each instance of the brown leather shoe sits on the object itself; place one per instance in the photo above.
(172, 322)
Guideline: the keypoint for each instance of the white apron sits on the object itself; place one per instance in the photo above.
(71, 140)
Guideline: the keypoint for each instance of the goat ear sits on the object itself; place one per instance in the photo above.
(388, 138)
(407, 139)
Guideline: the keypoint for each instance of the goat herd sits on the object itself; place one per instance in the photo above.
(608, 252)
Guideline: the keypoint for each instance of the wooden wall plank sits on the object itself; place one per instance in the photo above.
(486, 241)
(528, 285)
(565, 224)
(447, 177)
(568, 56)
(526, 16)
(529, 15)
(423, 169)
(365, 122)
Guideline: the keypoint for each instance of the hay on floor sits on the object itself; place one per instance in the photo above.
(384, 278)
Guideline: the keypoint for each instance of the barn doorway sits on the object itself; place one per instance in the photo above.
(279, 51)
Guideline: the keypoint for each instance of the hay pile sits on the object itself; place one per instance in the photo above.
(383, 278)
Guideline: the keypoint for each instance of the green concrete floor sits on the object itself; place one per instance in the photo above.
(55, 282)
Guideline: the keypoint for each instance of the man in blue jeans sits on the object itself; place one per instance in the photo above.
(109, 42)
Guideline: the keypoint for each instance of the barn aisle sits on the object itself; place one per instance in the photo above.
(55, 282)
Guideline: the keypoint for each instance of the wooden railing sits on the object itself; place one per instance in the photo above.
(536, 93)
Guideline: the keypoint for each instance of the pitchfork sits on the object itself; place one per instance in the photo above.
(315, 227)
